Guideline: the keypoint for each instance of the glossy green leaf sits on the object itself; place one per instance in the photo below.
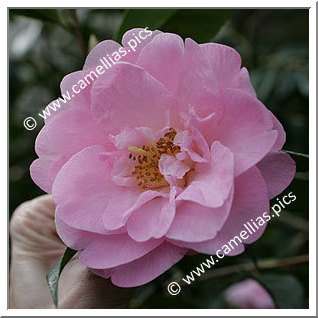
(151, 18)
(286, 290)
(200, 25)
(54, 273)
(45, 15)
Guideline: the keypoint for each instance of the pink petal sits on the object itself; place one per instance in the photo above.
(59, 139)
(153, 219)
(70, 133)
(98, 52)
(147, 268)
(71, 96)
(226, 65)
(195, 145)
(132, 54)
(81, 97)
(121, 173)
(82, 190)
(171, 166)
(132, 137)
(224, 60)
(278, 170)
(106, 251)
(205, 125)
(243, 82)
(196, 223)
(198, 87)
(74, 238)
(250, 201)
(250, 136)
(249, 294)
(44, 170)
(273, 123)
(78, 239)
(130, 96)
(164, 47)
(210, 184)
(281, 138)
(122, 204)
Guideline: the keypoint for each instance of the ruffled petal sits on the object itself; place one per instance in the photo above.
(197, 87)
(245, 129)
(226, 65)
(147, 268)
(133, 137)
(249, 204)
(196, 223)
(168, 47)
(132, 46)
(153, 219)
(98, 52)
(44, 170)
(210, 184)
(73, 84)
(171, 166)
(281, 138)
(121, 205)
(74, 238)
(82, 190)
(60, 138)
(107, 251)
(195, 146)
(130, 96)
(278, 171)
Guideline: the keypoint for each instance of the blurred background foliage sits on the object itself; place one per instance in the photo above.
(45, 45)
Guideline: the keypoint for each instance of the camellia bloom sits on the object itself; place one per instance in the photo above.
(169, 152)
(249, 294)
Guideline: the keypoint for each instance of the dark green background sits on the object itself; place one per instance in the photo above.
(273, 44)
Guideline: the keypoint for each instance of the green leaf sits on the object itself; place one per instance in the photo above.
(302, 176)
(200, 25)
(285, 290)
(217, 301)
(45, 15)
(54, 273)
(302, 160)
(141, 18)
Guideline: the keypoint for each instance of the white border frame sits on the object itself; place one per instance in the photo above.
(312, 143)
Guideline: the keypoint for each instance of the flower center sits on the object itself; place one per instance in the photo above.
(147, 170)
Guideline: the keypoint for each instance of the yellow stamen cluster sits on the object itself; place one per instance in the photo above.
(147, 170)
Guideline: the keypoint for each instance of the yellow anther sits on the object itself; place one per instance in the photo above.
(138, 150)
(147, 171)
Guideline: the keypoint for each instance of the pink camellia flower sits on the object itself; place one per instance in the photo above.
(169, 152)
(249, 294)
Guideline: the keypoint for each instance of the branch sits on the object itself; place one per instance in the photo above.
(219, 272)
(250, 266)
(78, 33)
